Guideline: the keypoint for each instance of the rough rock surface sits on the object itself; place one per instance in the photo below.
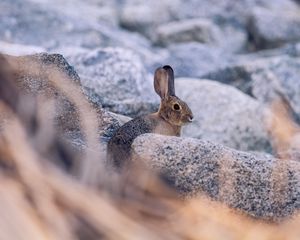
(259, 185)
(36, 82)
(33, 76)
(196, 59)
(116, 79)
(57, 24)
(287, 27)
(135, 15)
(289, 49)
(282, 76)
(233, 12)
(198, 30)
(265, 78)
(138, 16)
(224, 115)
(19, 19)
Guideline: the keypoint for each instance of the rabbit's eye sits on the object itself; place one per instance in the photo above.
(176, 107)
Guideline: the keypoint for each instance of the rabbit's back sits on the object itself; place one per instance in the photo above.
(119, 145)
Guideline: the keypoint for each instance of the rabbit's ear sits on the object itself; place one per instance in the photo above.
(164, 82)
(171, 87)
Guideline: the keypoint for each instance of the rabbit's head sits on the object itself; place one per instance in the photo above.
(172, 109)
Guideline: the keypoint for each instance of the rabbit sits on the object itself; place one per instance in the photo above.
(173, 113)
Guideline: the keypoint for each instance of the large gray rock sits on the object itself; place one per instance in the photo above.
(136, 15)
(288, 49)
(55, 25)
(20, 19)
(92, 11)
(281, 78)
(49, 88)
(198, 30)
(203, 30)
(237, 74)
(116, 79)
(152, 20)
(33, 74)
(233, 12)
(265, 78)
(33, 78)
(196, 59)
(224, 115)
(232, 39)
(232, 17)
(260, 185)
(269, 29)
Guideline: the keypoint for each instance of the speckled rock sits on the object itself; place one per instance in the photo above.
(19, 19)
(35, 82)
(289, 49)
(237, 74)
(259, 185)
(196, 59)
(56, 24)
(232, 15)
(146, 18)
(198, 30)
(287, 27)
(43, 60)
(138, 16)
(135, 15)
(110, 122)
(224, 115)
(264, 78)
(281, 76)
(116, 79)
(233, 12)
(202, 30)
(90, 10)
(66, 117)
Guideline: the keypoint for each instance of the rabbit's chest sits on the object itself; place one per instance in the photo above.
(165, 128)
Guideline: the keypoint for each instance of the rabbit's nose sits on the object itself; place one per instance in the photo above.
(191, 118)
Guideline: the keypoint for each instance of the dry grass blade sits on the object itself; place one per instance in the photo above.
(284, 131)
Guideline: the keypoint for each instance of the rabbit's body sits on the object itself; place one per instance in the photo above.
(171, 116)
(120, 144)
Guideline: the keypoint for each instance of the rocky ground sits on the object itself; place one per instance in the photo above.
(231, 59)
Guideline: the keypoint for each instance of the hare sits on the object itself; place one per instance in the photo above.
(173, 113)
